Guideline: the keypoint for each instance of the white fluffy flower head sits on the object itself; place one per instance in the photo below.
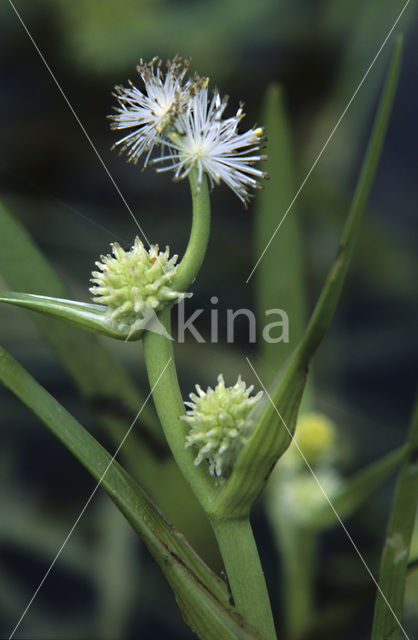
(200, 138)
(217, 421)
(147, 113)
(176, 114)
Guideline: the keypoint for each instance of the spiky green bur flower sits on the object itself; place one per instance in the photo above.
(217, 421)
(134, 284)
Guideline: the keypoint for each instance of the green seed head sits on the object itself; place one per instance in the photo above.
(217, 421)
(134, 284)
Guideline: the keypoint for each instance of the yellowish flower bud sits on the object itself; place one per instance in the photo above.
(315, 435)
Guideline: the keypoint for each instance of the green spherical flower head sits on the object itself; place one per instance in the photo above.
(134, 285)
(217, 421)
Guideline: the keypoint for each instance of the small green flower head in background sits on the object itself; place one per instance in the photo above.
(134, 284)
(300, 495)
(179, 116)
(217, 421)
(297, 492)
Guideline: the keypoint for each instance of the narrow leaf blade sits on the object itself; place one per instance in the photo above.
(203, 597)
(278, 288)
(84, 316)
(273, 433)
(394, 562)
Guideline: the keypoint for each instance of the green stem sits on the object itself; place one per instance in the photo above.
(158, 350)
(235, 538)
(199, 235)
(245, 574)
(298, 551)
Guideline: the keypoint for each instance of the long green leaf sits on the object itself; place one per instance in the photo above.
(394, 563)
(331, 292)
(280, 406)
(86, 316)
(82, 315)
(278, 288)
(202, 596)
(356, 490)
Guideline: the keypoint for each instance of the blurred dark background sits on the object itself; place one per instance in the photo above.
(51, 179)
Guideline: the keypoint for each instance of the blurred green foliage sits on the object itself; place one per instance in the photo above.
(318, 51)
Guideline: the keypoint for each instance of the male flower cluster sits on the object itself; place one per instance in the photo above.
(177, 115)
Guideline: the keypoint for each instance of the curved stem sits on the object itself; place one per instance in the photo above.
(159, 355)
(199, 235)
(245, 574)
